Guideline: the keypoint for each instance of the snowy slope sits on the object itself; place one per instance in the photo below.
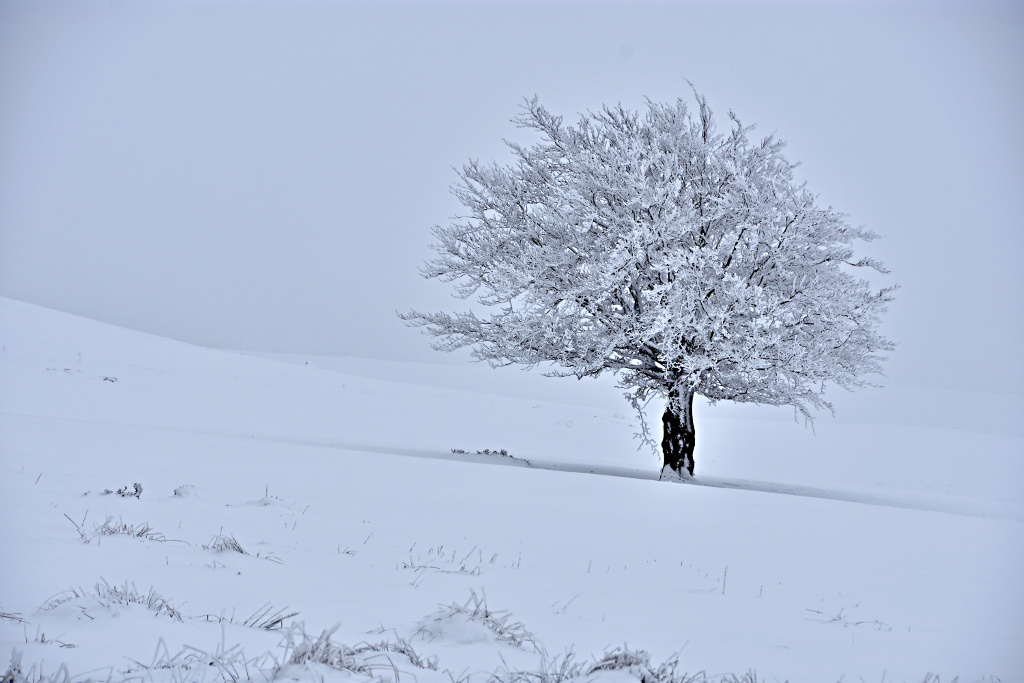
(897, 445)
(309, 469)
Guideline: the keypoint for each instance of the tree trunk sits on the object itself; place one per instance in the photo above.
(678, 437)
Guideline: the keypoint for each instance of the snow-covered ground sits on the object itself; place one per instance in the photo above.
(886, 545)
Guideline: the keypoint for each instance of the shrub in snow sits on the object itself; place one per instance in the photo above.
(685, 260)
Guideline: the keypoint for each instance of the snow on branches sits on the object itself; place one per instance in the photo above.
(683, 259)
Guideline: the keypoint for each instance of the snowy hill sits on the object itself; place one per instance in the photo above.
(898, 554)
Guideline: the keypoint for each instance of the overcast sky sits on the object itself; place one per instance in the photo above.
(265, 176)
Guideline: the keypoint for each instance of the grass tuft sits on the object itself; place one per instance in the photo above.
(501, 453)
(636, 663)
(366, 659)
(447, 561)
(129, 595)
(15, 673)
(498, 622)
(225, 543)
(845, 622)
(399, 646)
(267, 620)
(119, 528)
(193, 665)
(303, 650)
(126, 491)
(264, 619)
(107, 595)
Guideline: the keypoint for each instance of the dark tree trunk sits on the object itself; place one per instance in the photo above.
(678, 435)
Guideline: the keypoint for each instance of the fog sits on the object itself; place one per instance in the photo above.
(265, 176)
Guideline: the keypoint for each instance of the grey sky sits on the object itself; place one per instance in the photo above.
(264, 176)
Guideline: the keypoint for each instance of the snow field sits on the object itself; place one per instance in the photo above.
(303, 467)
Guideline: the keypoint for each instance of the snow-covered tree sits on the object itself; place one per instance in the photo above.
(684, 260)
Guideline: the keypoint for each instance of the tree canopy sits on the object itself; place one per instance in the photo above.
(684, 259)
